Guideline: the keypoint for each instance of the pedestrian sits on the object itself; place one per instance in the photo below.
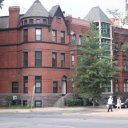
(118, 103)
(110, 102)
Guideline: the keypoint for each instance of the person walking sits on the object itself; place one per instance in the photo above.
(118, 103)
(110, 101)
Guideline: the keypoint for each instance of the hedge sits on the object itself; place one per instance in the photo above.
(73, 102)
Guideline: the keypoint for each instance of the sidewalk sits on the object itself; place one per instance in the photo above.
(100, 111)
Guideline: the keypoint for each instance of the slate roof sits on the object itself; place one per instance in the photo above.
(53, 10)
(97, 15)
(3, 22)
(37, 9)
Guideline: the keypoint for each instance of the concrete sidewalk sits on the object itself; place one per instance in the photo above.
(100, 111)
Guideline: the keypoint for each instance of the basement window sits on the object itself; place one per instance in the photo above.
(38, 103)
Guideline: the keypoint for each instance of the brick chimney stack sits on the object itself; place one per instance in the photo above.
(13, 16)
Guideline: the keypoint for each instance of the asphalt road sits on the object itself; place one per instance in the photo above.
(64, 119)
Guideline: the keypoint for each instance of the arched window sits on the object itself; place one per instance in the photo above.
(80, 40)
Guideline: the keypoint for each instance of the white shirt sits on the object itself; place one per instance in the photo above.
(110, 100)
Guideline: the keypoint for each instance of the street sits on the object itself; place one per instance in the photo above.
(63, 119)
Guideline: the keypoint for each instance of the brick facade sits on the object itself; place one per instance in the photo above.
(13, 46)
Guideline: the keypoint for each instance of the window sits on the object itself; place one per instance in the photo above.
(25, 84)
(25, 35)
(72, 87)
(105, 29)
(96, 26)
(38, 103)
(126, 86)
(62, 59)
(72, 60)
(116, 85)
(14, 87)
(54, 37)
(38, 21)
(38, 34)
(25, 103)
(38, 58)
(30, 21)
(25, 59)
(63, 37)
(126, 65)
(58, 19)
(38, 85)
(107, 87)
(45, 21)
(74, 39)
(54, 59)
(80, 40)
(25, 22)
(55, 86)
(105, 43)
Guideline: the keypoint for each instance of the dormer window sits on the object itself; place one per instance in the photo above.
(30, 21)
(58, 19)
(25, 22)
(44, 21)
(38, 21)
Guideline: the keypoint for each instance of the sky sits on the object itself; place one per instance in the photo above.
(76, 8)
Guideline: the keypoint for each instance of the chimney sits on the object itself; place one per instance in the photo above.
(13, 16)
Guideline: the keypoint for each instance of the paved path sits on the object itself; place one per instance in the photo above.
(78, 111)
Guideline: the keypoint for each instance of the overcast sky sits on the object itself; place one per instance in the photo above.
(76, 8)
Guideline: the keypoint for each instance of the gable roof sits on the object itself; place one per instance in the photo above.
(37, 9)
(96, 15)
(53, 10)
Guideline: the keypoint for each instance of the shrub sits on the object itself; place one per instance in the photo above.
(73, 102)
(8, 100)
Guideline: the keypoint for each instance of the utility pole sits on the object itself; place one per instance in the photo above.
(33, 92)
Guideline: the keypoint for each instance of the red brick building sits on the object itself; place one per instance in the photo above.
(38, 53)
(35, 54)
(120, 37)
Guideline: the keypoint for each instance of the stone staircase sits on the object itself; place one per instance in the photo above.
(49, 101)
(61, 100)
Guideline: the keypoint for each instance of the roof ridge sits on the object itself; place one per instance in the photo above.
(37, 1)
(36, 9)
(96, 15)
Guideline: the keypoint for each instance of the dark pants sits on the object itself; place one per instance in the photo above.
(109, 107)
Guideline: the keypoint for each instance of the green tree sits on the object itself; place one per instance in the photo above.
(117, 15)
(94, 69)
(1, 1)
